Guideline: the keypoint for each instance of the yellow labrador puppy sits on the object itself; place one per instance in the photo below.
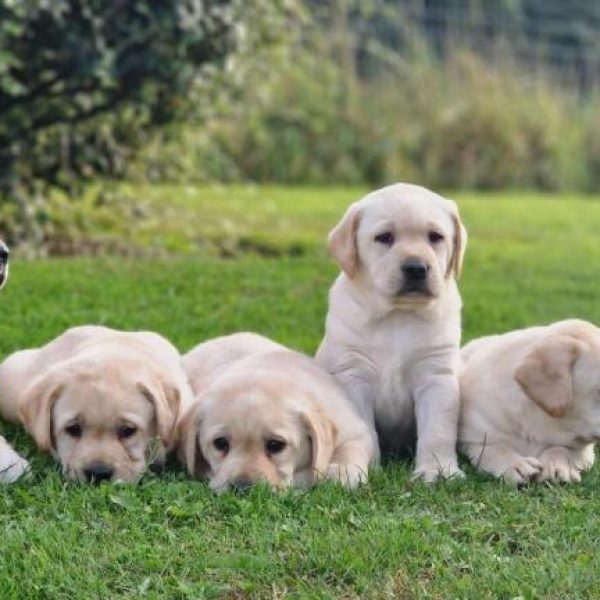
(531, 402)
(12, 466)
(393, 328)
(97, 399)
(266, 413)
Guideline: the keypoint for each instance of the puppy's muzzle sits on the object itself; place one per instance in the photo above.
(4, 254)
(97, 472)
(415, 272)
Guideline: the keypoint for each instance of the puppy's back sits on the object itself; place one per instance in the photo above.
(292, 370)
(86, 341)
(206, 362)
(492, 346)
(21, 367)
(15, 374)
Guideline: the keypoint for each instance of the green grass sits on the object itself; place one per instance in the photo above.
(531, 259)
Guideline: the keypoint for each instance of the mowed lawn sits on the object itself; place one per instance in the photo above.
(531, 259)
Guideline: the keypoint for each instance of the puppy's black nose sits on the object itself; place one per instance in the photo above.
(97, 472)
(242, 484)
(415, 270)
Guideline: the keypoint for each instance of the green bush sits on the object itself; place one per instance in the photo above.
(83, 83)
(63, 63)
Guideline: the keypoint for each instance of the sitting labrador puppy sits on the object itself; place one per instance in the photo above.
(530, 402)
(12, 466)
(393, 328)
(264, 413)
(97, 398)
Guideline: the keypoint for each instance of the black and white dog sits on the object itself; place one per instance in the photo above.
(12, 466)
(3, 262)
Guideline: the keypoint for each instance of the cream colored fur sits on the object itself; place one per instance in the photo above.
(531, 402)
(98, 398)
(254, 396)
(393, 349)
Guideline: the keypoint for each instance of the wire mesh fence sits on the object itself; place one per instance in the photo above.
(551, 38)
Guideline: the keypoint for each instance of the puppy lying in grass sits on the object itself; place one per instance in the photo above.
(531, 402)
(97, 399)
(12, 466)
(393, 328)
(264, 413)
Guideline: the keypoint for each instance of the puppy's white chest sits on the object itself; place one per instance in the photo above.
(392, 381)
(391, 394)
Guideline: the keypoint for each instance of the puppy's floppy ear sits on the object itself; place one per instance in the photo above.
(546, 373)
(165, 396)
(36, 403)
(188, 449)
(322, 434)
(459, 243)
(342, 241)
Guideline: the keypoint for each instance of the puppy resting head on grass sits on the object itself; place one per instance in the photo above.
(104, 402)
(250, 429)
(264, 413)
(99, 420)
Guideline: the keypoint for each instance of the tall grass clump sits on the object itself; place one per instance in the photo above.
(469, 125)
(305, 112)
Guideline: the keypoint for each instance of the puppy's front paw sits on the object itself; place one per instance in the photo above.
(349, 476)
(13, 470)
(522, 470)
(585, 458)
(434, 472)
(559, 464)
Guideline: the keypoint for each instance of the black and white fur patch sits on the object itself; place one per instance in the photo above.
(4, 254)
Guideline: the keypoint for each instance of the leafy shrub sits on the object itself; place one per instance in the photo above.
(67, 61)
(84, 82)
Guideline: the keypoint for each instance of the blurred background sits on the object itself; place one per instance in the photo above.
(105, 103)
(175, 166)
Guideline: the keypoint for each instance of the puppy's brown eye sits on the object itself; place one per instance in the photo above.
(73, 430)
(221, 444)
(435, 237)
(386, 238)
(274, 446)
(126, 431)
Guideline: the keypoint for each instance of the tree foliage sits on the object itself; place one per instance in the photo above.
(63, 62)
